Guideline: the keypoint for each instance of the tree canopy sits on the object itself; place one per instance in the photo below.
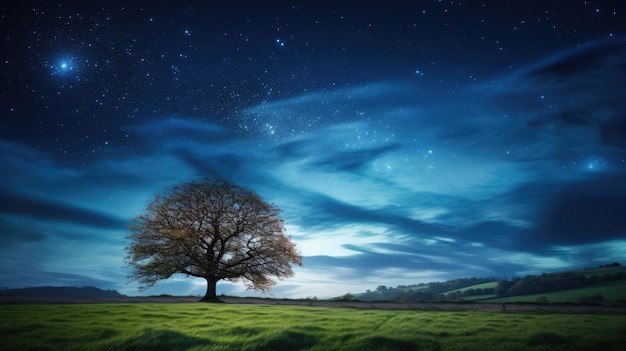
(212, 229)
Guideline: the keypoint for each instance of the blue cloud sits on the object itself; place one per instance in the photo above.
(371, 179)
(57, 211)
(583, 213)
(579, 61)
(174, 126)
(353, 161)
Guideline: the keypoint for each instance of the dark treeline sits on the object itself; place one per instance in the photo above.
(529, 285)
(544, 283)
(61, 291)
(428, 292)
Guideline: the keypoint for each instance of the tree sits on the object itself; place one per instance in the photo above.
(211, 229)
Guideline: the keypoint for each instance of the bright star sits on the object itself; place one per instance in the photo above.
(63, 66)
(595, 164)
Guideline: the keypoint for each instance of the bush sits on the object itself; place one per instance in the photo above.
(348, 297)
(594, 299)
(541, 299)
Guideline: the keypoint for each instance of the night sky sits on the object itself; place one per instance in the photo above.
(405, 142)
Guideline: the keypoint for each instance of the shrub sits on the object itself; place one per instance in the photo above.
(348, 297)
(594, 299)
(541, 299)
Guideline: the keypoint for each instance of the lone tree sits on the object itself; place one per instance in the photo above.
(211, 229)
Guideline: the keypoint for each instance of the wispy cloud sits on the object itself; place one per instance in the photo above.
(44, 209)
(384, 192)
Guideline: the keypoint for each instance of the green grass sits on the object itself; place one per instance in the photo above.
(268, 327)
(419, 287)
(611, 291)
(477, 286)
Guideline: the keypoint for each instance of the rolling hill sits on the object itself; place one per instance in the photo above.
(66, 292)
(605, 284)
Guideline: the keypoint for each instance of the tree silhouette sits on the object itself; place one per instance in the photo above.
(211, 229)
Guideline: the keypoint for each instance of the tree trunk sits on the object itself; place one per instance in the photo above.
(211, 292)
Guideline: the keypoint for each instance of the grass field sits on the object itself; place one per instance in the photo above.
(478, 286)
(148, 326)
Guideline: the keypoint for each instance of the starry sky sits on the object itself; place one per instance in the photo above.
(405, 142)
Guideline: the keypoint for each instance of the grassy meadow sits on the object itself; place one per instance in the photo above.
(197, 326)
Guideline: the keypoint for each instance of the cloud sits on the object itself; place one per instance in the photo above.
(354, 161)
(597, 65)
(177, 126)
(214, 164)
(309, 112)
(399, 260)
(583, 213)
(327, 213)
(40, 208)
(561, 114)
(574, 87)
(23, 163)
(377, 184)
(540, 215)
(33, 236)
(613, 132)
(15, 233)
(495, 234)
(578, 61)
(369, 96)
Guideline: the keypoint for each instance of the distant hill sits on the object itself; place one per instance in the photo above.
(605, 284)
(66, 292)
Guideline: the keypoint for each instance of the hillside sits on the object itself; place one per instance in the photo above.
(65, 292)
(605, 284)
(611, 292)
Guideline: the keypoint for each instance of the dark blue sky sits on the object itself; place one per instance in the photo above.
(405, 142)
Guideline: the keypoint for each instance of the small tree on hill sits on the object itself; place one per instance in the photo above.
(211, 229)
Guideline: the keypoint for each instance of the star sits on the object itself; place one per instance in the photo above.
(595, 164)
(64, 66)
